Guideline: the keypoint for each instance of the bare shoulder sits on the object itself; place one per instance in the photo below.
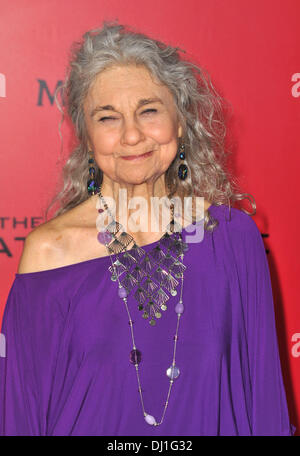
(55, 243)
(39, 247)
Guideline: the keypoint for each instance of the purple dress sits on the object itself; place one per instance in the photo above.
(67, 370)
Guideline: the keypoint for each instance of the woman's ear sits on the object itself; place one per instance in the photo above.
(89, 145)
(179, 131)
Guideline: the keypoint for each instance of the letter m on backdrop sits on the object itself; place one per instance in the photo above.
(44, 89)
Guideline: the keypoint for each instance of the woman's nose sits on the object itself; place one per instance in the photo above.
(132, 133)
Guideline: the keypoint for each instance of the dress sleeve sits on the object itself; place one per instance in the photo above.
(29, 334)
(270, 414)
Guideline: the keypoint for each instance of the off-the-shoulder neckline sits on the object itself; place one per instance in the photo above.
(92, 260)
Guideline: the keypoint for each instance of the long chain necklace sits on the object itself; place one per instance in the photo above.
(116, 243)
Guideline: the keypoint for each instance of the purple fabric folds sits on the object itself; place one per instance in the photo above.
(66, 369)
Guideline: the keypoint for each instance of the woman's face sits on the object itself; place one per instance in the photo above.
(128, 114)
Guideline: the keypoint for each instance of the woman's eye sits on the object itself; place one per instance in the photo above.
(147, 111)
(103, 119)
(150, 111)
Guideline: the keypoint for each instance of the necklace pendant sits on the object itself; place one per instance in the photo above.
(150, 420)
(173, 372)
(122, 292)
(153, 275)
(135, 356)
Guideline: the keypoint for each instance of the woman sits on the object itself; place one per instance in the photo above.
(82, 358)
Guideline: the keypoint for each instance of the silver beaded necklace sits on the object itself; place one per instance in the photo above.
(150, 301)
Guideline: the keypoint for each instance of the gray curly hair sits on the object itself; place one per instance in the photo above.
(198, 104)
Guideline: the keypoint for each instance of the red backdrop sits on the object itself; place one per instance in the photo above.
(250, 48)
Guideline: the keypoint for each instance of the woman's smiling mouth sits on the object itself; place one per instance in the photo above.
(138, 157)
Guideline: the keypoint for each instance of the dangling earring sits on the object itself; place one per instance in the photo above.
(92, 184)
(183, 169)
